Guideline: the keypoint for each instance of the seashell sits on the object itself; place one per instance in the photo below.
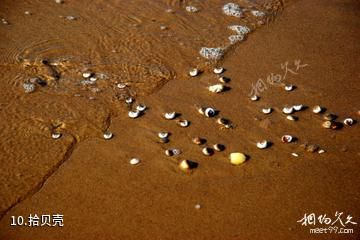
(93, 79)
(191, 9)
(170, 115)
(108, 135)
(197, 206)
(317, 109)
(329, 117)
(207, 151)
(134, 161)
(169, 152)
(219, 147)
(163, 134)
(291, 118)
(321, 151)
(289, 87)
(183, 123)
(263, 144)
(121, 85)
(129, 100)
(286, 138)
(349, 121)
(56, 135)
(185, 165)
(209, 112)
(327, 124)
(134, 114)
(224, 79)
(288, 110)
(197, 140)
(257, 13)
(267, 110)
(29, 87)
(298, 107)
(217, 88)
(141, 107)
(194, 72)
(222, 121)
(176, 151)
(237, 158)
(295, 154)
(218, 70)
(254, 98)
(201, 110)
(87, 74)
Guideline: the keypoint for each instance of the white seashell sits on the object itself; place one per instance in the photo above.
(141, 107)
(222, 121)
(207, 151)
(86, 74)
(201, 110)
(257, 13)
(163, 134)
(169, 152)
(217, 88)
(191, 9)
(170, 115)
(254, 98)
(93, 79)
(298, 107)
(134, 161)
(183, 123)
(218, 70)
(197, 206)
(121, 85)
(218, 147)
(56, 135)
(287, 110)
(184, 165)
(194, 72)
(349, 121)
(224, 79)
(176, 151)
(295, 154)
(134, 114)
(286, 138)
(263, 144)
(209, 112)
(108, 135)
(289, 87)
(267, 110)
(317, 109)
(291, 118)
(129, 100)
(321, 151)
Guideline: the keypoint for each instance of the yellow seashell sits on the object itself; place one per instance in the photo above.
(237, 158)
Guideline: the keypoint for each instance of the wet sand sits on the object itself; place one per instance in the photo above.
(90, 181)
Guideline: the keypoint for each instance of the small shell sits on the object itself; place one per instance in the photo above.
(201, 110)
(87, 74)
(254, 98)
(286, 138)
(170, 115)
(121, 85)
(207, 151)
(327, 124)
(267, 110)
(183, 123)
(329, 117)
(263, 144)
(298, 107)
(218, 70)
(56, 135)
(141, 107)
(176, 151)
(224, 79)
(93, 79)
(295, 154)
(321, 151)
(163, 134)
(134, 114)
(197, 140)
(194, 72)
(317, 109)
(237, 158)
(222, 121)
(209, 112)
(289, 87)
(169, 152)
(291, 118)
(184, 165)
(129, 100)
(288, 110)
(108, 135)
(217, 88)
(349, 121)
(219, 147)
(134, 161)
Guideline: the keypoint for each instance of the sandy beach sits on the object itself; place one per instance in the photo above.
(56, 162)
